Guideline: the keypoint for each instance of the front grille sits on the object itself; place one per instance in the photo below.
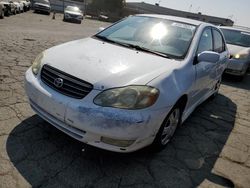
(42, 7)
(71, 86)
(73, 15)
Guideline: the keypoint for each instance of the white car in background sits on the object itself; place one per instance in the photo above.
(25, 5)
(145, 76)
(28, 4)
(19, 6)
(73, 13)
(2, 10)
(238, 42)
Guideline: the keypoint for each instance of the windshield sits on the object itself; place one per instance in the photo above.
(235, 37)
(74, 9)
(158, 35)
(42, 1)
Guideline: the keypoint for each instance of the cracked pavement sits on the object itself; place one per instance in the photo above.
(211, 149)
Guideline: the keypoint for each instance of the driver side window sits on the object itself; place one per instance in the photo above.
(206, 41)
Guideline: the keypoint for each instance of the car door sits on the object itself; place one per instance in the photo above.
(203, 69)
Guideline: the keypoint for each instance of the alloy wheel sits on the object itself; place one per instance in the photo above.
(170, 126)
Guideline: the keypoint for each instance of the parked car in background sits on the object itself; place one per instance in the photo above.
(25, 5)
(1, 10)
(238, 42)
(145, 76)
(42, 6)
(9, 7)
(102, 17)
(28, 4)
(73, 13)
(19, 6)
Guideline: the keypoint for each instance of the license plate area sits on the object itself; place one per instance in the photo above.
(54, 106)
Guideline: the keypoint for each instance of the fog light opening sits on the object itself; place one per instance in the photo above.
(116, 142)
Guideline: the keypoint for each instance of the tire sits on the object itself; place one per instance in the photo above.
(6, 12)
(240, 78)
(80, 21)
(168, 128)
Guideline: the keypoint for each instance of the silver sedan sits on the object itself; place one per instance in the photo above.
(238, 42)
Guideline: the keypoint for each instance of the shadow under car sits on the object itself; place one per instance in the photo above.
(46, 157)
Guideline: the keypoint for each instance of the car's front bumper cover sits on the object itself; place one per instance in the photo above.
(73, 17)
(237, 67)
(88, 123)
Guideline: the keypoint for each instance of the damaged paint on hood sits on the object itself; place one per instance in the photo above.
(107, 65)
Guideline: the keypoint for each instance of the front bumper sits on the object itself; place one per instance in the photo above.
(42, 8)
(86, 122)
(73, 17)
(237, 67)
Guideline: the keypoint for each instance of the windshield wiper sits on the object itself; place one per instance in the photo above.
(137, 47)
(106, 39)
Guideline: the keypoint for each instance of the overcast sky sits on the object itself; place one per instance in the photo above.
(237, 10)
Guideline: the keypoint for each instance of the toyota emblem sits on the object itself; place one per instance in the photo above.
(58, 82)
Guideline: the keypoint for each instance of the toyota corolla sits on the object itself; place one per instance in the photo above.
(130, 85)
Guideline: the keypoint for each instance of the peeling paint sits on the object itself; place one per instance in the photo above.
(124, 117)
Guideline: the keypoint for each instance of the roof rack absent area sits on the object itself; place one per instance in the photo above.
(242, 27)
(145, 8)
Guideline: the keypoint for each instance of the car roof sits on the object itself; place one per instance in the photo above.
(175, 18)
(236, 28)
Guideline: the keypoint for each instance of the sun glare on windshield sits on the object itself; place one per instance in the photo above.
(158, 31)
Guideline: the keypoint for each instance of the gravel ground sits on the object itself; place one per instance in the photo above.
(211, 149)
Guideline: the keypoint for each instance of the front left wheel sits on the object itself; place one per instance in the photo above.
(168, 128)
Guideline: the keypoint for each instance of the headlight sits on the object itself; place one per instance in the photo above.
(37, 63)
(129, 97)
(240, 56)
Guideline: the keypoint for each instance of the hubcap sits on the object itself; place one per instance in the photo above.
(170, 126)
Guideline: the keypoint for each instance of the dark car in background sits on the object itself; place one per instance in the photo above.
(42, 6)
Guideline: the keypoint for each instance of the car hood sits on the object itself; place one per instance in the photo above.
(45, 5)
(107, 65)
(234, 49)
(72, 12)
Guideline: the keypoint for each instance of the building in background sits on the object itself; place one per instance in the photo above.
(145, 8)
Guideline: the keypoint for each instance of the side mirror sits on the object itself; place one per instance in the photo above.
(208, 56)
(101, 29)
